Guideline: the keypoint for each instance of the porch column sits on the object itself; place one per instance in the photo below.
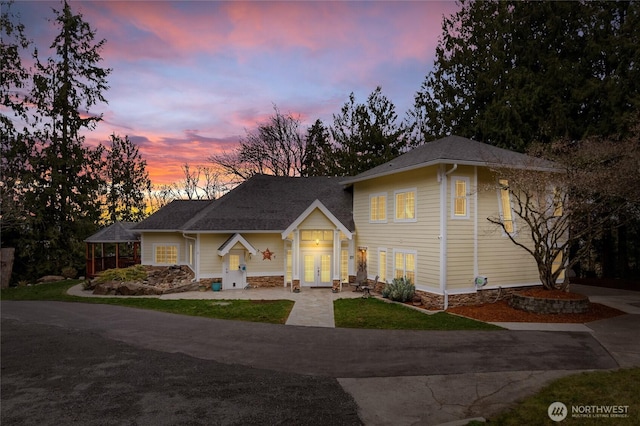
(295, 256)
(337, 245)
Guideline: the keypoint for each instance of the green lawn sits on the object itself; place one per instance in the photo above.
(269, 311)
(604, 389)
(350, 313)
(374, 313)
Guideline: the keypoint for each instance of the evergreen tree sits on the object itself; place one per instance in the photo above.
(510, 73)
(318, 159)
(366, 135)
(127, 181)
(59, 176)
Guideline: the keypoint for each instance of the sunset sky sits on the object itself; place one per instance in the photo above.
(191, 77)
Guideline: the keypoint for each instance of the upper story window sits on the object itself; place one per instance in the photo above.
(405, 205)
(506, 212)
(378, 207)
(460, 197)
(316, 235)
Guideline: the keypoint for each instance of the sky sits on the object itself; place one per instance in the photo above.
(190, 78)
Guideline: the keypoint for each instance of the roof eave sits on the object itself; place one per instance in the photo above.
(449, 161)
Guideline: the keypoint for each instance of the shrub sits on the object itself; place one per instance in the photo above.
(69, 272)
(399, 290)
(132, 273)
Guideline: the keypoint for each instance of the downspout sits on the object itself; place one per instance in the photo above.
(442, 177)
(476, 271)
(196, 255)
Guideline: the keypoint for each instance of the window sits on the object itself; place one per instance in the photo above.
(382, 265)
(406, 205)
(234, 262)
(557, 203)
(505, 206)
(405, 265)
(460, 198)
(378, 208)
(316, 235)
(166, 254)
(344, 266)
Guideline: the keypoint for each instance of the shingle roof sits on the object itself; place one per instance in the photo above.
(117, 232)
(272, 203)
(453, 149)
(174, 215)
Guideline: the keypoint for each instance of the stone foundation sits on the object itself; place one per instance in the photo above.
(266, 282)
(436, 301)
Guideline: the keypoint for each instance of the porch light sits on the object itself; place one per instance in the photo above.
(317, 241)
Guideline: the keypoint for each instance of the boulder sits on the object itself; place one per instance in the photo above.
(50, 279)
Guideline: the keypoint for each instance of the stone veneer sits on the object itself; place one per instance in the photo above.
(549, 306)
(265, 282)
(436, 301)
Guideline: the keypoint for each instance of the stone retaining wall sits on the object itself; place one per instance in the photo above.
(549, 306)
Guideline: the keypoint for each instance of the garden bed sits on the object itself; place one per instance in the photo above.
(550, 302)
(502, 312)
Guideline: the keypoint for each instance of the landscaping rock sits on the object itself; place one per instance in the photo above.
(50, 279)
(160, 280)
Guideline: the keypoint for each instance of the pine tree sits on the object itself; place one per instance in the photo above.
(60, 182)
(127, 181)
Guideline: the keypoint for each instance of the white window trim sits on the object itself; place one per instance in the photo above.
(415, 206)
(513, 218)
(386, 209)
(155, 256)
(453, 197)
(415, 260)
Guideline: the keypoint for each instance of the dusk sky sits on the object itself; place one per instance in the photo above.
(191, 77)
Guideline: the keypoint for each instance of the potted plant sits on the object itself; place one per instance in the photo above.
(216, 285)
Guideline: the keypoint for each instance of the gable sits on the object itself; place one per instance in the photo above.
(314, 215)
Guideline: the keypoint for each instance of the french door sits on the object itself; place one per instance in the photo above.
(316, 269)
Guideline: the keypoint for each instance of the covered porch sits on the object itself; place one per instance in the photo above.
(115, 246)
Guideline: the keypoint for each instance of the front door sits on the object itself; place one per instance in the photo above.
(316, 269)
(234, 272)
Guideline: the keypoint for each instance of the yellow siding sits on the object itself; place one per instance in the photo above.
(421, 235)
(150, 240)
(211, 265)
(498, 258)
(460, 235)
(257, 265)
(317, 220)
(210, 262)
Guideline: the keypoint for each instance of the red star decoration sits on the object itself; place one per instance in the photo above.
(266, 254)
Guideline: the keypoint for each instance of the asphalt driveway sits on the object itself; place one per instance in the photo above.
(71, 363)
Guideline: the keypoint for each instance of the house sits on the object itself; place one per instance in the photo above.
(269, 231)
(422, 216)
